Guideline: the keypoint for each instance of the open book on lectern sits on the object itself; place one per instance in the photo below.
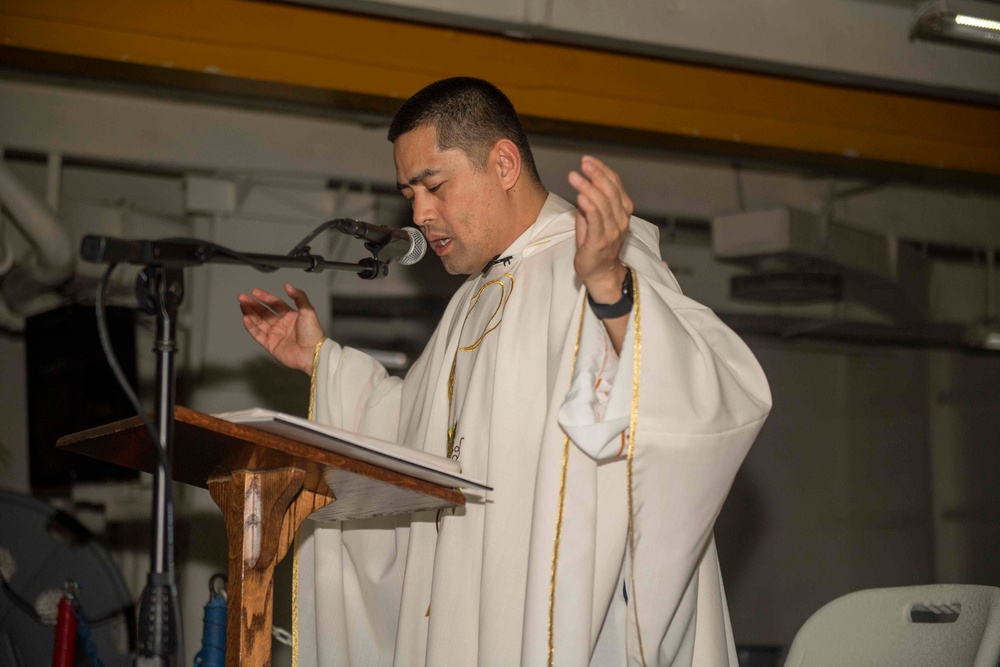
(413, 462)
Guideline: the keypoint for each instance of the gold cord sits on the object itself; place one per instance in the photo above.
(501, 306)
(295, 600)
(312, 378)
(632, 426)
(296, 543)
(559, 512)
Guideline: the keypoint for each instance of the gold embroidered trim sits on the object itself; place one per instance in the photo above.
(295, 544)
(312, 378)
(632, 425)
(473, 302)
(559, 512)
(295, 600)
(504, 297)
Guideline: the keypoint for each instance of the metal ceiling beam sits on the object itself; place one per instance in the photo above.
(368, 64)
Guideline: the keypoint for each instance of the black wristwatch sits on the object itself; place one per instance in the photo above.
(607, 311)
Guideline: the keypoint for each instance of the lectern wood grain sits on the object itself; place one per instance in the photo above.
(262, 510)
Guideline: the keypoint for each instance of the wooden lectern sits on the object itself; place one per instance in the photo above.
(265, 486)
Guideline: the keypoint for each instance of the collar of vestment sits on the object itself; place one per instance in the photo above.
(551, 225)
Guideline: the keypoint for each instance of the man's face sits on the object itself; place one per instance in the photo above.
(458, 207)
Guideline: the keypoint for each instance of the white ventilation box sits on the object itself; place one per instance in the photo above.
(794, 255)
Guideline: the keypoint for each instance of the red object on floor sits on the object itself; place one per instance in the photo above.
(64, 654)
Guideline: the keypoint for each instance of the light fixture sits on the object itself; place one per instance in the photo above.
(963, 24)
(985, 334)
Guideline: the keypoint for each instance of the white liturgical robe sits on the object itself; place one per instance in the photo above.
(595, 546)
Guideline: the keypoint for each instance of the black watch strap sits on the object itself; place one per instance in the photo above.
(607, 311)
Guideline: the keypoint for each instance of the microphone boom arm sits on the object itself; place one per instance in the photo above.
(194, 252)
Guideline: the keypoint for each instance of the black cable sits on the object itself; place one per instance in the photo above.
(18, 601)
(302, 248)
(109, 353)
(217, 249)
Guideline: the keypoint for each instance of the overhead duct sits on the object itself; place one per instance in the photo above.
(798, 257)
(54, 259)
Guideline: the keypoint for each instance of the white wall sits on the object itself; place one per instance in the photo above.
(835, 495)
(965, 434)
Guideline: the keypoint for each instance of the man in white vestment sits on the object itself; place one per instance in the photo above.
(608, 412)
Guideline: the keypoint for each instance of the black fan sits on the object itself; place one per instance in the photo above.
(41, 548)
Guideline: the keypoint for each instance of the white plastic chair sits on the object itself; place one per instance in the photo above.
(943, 625)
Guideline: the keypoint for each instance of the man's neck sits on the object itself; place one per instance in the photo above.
(524, 203)
(526, 207)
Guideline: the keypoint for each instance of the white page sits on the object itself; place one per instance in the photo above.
(413, 462)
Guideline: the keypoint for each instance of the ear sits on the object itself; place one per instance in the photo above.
(507, 159)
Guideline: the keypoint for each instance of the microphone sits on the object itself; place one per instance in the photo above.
(404, 246)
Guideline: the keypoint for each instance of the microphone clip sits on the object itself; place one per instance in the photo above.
(373, 268)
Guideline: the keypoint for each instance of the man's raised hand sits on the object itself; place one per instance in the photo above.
(289, 334)
(602, 219)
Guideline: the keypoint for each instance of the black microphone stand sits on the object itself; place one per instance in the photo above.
(160, 291)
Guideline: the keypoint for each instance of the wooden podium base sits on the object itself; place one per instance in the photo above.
(262, 511)
(265, 485)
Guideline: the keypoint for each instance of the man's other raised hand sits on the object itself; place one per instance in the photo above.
(289, 334)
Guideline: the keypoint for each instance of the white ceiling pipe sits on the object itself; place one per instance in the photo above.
(54, 258)
(53, 181)
(992, 308)
(6, 258)
(6, 254)
(10, 321)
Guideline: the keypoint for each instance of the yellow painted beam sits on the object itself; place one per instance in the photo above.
(308, 47)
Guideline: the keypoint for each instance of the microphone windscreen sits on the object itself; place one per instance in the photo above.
(418, 246)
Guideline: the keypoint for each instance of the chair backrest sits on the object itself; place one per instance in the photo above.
(943, 625)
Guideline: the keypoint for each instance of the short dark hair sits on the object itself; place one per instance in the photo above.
(469, 114)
